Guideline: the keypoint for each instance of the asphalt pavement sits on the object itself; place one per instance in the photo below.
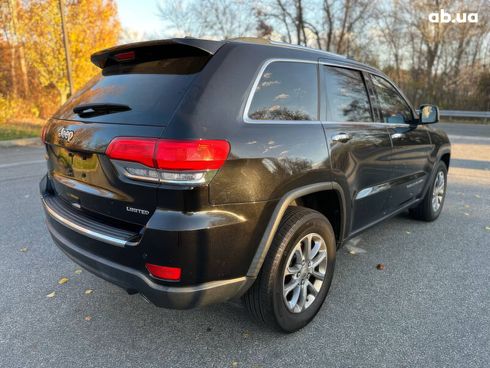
(429, 307)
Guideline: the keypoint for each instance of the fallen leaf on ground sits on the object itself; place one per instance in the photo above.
(78, 271)
(466, 213)
(234, 364)
(355, 250)
(466, 206)
(63, 280)
(408, 232)
(352, 248)
(51, 295)
(380, 266)
(88, 318)
(477, 196)
(88, 291)
(487, 228)
(23, 249)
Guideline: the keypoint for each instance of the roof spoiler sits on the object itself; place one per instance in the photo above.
(100, 58)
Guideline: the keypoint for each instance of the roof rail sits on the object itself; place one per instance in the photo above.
(286, 44)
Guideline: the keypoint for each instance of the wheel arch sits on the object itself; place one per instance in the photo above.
(301, 195)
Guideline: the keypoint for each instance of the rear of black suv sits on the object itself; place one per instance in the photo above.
(128, 198)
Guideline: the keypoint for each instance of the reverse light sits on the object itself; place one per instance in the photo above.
(187, 162)
(164, 272)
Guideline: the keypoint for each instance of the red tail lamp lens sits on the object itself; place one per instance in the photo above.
(191, 155)
(164, 272)
(197, 155)
(125, 56)
(133, 149)
(43, 133)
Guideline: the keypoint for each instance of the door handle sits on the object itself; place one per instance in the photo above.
(341, 137)
(397, 135)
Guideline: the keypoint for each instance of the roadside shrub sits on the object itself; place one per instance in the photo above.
(16, 108)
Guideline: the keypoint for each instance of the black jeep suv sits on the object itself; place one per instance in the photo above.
(194, 171)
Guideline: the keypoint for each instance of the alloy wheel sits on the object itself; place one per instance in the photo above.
(438, 191)
(304, 272)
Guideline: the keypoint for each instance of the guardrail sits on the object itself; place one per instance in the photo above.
(465, 114)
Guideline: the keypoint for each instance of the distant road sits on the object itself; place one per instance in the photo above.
(471, 130)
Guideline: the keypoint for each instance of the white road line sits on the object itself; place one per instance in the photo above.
(13, 164)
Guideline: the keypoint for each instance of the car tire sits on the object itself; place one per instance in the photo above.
(289, 292)
(431, 206)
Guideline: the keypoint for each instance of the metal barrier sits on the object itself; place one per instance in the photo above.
(465, 114)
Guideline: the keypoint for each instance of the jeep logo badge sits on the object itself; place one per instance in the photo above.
(65, 134)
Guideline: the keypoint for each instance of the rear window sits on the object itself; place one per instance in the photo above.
(286, 91)
(152, 89)
(347, 98)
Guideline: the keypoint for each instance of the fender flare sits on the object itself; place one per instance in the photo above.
(442, 151)
(278, 213)
(446, 148)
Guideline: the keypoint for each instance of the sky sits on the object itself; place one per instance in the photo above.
(141, 16)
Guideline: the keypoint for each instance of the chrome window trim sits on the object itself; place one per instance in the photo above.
(267, 62)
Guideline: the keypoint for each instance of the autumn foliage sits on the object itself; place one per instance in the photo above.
(33, 81)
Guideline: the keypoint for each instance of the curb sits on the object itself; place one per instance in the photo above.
(22, 142)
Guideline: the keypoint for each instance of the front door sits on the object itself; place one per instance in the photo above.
(411, 144)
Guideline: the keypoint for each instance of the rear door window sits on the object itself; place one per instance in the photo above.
(394, 109)
(286, 91)
(347, 98)
(151, 89)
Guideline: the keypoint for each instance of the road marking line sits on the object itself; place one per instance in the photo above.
(21, 163)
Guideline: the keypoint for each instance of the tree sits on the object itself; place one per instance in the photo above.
(221, 19)
(91, 24)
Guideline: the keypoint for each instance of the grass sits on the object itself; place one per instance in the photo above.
(19, 130)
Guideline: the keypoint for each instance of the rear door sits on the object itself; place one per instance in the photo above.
(135, 95)
(359, 147)
(411, 144)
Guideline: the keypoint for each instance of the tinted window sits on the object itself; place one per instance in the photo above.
(393, 107)
(347, 99)
(286, 91)
(152, 89)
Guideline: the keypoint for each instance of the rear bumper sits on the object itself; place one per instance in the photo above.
(184, 297)
(118, 256)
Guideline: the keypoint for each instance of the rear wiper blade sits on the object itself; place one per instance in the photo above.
(93, 109)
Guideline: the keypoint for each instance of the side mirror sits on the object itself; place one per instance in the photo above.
(429, 114)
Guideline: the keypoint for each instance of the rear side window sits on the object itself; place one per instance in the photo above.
(394, 109)
(286, 91)
(347, 98)
(152, 89)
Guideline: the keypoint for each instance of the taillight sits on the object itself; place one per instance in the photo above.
(191, 155)
(136, 150)
(125, 56)
(189, 162)
(43, 133)
(164, 272)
